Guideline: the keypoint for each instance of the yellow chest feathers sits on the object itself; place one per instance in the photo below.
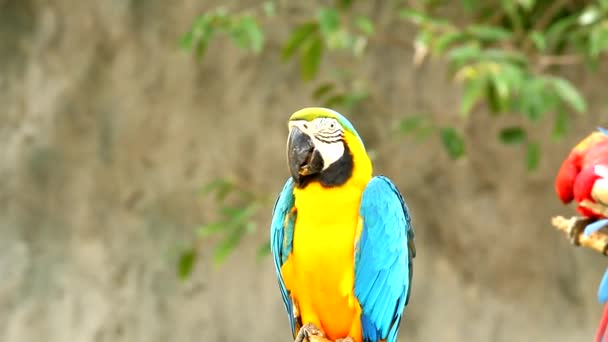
(320, 271)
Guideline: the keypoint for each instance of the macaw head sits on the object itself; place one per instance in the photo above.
(569, 173)
(323, 145)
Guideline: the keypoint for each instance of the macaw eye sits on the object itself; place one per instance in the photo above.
(331, 125)
(305, 126)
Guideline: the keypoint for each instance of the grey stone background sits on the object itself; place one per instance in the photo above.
(109, 130)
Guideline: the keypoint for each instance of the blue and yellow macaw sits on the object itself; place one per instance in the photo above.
(341, 240)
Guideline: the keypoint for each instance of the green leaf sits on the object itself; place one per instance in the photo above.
(527, 5)
(419, 126)
(464, 54)
(503, 56)
(335, 101)
(299, 35)
(239, 215)
(344, 4)
(514, 75)
(211, 228)
(452, 142)
(185, 264)
(512, 135)
(187, 41)
(202, 23)
(533, 101)
(270, 8)
(472, 93)
(470, 5)
(200, 35)
(569, 94)
(511, 8)
(339, 39)
(201, 48)
(365, 25)
(310, 58)
(329, 20)
(247, 34)
(230, 211)
(322, 90)
(264, 250)
(489, 33)
(539, 41)
(227, 245)
(444, 41)
(502, 91)
(492, 100)
(598, 40)
(354, 98)
(556, 33)
(414, 16)
(532, 156)
(560, 126)
(221, 187)
(411, 124)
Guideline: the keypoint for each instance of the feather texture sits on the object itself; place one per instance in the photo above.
(281, 241)
(383, 260)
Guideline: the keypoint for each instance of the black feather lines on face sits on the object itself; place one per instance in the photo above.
(336, 174)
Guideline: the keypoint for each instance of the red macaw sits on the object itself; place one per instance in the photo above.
(583, 177)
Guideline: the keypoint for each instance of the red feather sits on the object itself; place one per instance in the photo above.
(577, 175)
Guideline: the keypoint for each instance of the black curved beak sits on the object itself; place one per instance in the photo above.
(302, 157)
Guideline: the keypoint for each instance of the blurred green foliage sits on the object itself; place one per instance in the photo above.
(237, 207)
(506, 55)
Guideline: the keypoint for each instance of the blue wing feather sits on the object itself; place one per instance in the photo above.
(383, 260)
(595, 226)
(281, 240)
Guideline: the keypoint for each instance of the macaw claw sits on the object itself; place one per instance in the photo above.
(346, 339)
(576, 227)
(308, 330)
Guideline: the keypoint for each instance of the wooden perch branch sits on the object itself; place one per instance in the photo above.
(310, 333)
(597, 241)
(318, 339)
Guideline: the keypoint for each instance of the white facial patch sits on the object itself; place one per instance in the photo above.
(326, 135)
(599, 192)
(601, 171)
(330, 152)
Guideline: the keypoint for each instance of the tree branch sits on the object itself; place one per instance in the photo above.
(545, 61)
(597, 241)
